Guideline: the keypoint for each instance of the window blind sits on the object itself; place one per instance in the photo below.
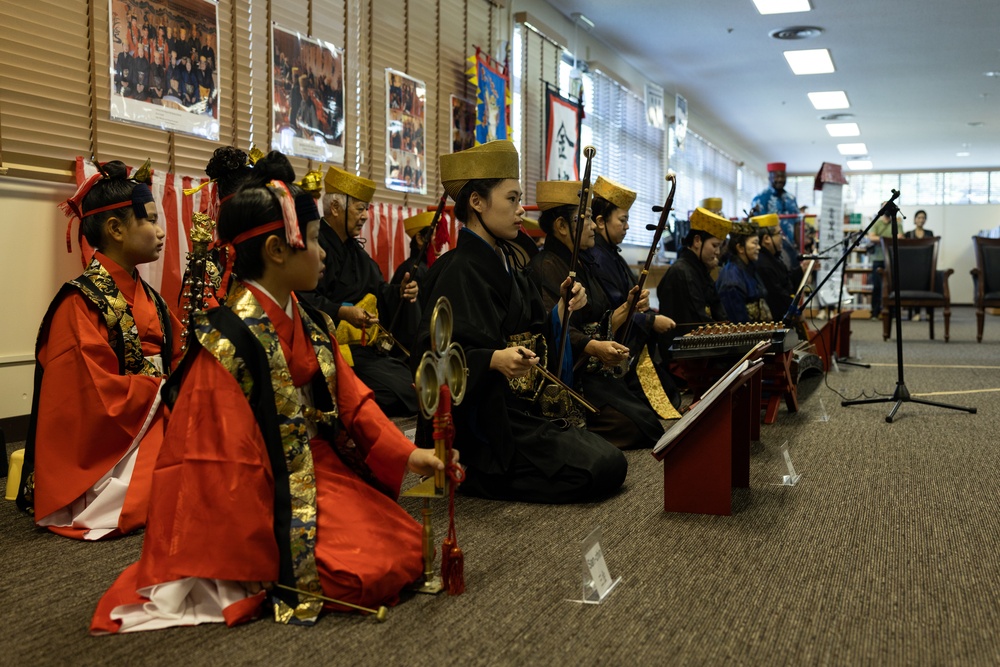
(54, 104)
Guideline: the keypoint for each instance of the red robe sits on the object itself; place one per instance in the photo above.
(212, 511)
(88, 414)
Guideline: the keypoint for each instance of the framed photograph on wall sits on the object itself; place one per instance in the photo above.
(164, 69)
(307, 109)
(463, 124)
(405, 100)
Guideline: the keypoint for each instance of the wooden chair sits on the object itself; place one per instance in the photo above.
(985, 279)
(921, 284)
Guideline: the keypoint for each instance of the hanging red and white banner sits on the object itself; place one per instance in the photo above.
(562, 137)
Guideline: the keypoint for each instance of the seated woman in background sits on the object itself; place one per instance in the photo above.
(919, 232)
(740, 288)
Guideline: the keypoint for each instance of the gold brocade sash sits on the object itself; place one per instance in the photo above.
(348, 334)
(294, 435)
(653, 388)
(99, 287)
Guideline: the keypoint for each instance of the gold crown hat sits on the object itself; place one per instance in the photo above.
(415, 223)
(615, 193)
(551, 194)
(704, 220)
(496, 159)
(766, 220)
(338, 181)
(312, 182)
(530, 224)
(712, 203)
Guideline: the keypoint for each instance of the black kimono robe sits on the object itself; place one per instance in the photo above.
(687, 292)
(349, 274)
(609, 268)
(625, 420)
(777, 279)
(510, 451)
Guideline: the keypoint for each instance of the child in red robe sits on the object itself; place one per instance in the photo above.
(278, 478)
(104, 349)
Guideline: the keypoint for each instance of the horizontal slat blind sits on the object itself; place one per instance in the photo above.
(46, 121)
(388, 50)
(452, 54)
(45, 96)
(540, 64)
(423, 64)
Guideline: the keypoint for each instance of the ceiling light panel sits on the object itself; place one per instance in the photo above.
(843, 129)
(852, 149)
(810, 61)
(781, 6)
(859, 165)
(831, 99)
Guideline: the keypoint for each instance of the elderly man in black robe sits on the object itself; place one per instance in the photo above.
(354, 293)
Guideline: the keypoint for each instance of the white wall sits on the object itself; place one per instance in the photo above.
(33, 264)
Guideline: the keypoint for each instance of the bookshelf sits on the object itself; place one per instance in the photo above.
(858, 272)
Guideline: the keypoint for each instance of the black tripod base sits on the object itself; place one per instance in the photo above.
(844, 361)
(902, 395)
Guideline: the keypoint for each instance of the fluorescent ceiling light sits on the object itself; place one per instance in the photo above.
(963, 154)
(858, 165)
(831, 99)
(852, 149)
(843, 129)
(810, 61)
(781, 6)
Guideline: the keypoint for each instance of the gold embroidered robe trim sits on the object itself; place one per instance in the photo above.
(294, 440)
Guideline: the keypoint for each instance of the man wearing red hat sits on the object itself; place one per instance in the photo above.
(776, 199)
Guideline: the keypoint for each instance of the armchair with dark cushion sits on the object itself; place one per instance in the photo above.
(986, 279)
(921, 284)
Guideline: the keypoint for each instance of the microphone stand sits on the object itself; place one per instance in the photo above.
(901, 394)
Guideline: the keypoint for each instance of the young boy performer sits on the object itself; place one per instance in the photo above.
(103, 350)
(277, 482)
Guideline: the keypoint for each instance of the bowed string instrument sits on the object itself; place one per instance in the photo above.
(657, 233)
(589, 152)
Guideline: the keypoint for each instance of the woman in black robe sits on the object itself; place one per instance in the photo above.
(625, 419)
(511, 450)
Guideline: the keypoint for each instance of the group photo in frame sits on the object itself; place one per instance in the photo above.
(406, 99)
(463, 124)
(308, 97)
(164, 66)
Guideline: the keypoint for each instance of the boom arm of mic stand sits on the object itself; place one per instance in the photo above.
(793, 310)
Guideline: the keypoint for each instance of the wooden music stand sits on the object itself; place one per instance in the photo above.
(707, 452)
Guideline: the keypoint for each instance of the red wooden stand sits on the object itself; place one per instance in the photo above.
(779, 385)
(703, 464)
